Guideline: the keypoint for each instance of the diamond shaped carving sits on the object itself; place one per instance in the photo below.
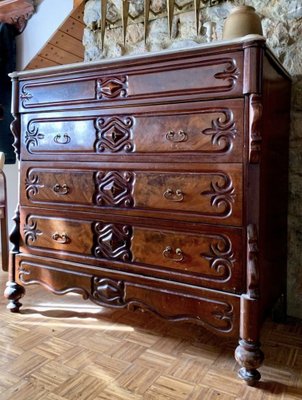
(111, 88)
(108, 291)
(114, 134)
(114, 189)
(112, 241)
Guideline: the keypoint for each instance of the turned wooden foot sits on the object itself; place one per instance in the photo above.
(13, 293)
(249, 357)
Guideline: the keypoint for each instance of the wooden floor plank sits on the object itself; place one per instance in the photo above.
(165, 388)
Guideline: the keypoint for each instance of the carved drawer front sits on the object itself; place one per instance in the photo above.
(51, 185)
(76, 236)
(210, 195)
(67, 235)
(217, 311)
(53, 135)
(213, 130)
(199, 77)
(214, 258)
(210, 257)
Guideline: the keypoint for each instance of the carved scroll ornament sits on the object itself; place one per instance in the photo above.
(27, 276)
(230, 73)
(25, 96)
(221, 257)
(32, 136)
(31, 231)
(223, 132)
(255, 138)
(220, 320)
(106, 291)
(222, 194)
(32, 184)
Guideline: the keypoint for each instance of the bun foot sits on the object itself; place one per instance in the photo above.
(249, 357)
(13, 293)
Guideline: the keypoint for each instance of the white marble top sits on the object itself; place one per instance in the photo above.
(78, 66)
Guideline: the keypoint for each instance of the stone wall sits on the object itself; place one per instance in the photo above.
(282, 25)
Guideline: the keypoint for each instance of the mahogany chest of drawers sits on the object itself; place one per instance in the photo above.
(157, 182)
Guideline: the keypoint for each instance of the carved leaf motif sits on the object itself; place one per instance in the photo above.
(222, 193)
(32, 136)
(108, 291)
(114, 134)
(31, 232)
(230, 73)
(112, 87)
(113, 241)
(32, 185)
(25, 95)
(221, 257)
(223, 132)
(114, 189)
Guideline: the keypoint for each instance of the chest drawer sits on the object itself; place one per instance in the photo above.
(218, 311)
(210, 256)
(212, 130)
(213, 194)
(208, 75)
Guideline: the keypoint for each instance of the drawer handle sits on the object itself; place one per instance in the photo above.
(62, 239)
(62, 139)
(170, 195)
(61, 190)
(168, 253)
(177, 137)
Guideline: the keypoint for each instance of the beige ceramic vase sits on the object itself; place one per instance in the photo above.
(242, 21)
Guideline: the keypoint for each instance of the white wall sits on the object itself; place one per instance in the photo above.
(49, 15)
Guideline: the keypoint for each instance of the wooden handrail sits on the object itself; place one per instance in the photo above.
(76, 3)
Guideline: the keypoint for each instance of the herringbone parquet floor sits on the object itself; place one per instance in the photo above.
(63, 348)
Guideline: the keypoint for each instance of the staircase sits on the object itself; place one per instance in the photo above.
(65, 45)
